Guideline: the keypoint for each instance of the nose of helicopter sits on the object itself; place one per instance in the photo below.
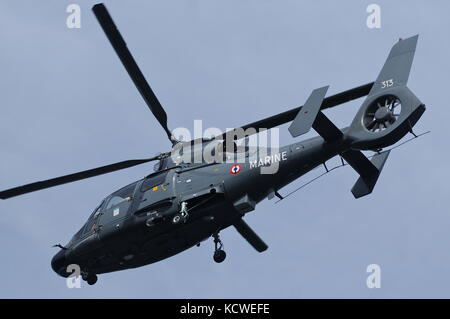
(59, 263)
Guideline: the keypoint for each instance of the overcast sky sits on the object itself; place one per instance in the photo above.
(67, 104)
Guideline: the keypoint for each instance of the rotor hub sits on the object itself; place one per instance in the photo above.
(383, 114)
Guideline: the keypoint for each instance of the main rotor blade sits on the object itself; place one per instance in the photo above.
(28, 188)
(328, 102)
(119, 45)
(288, 116)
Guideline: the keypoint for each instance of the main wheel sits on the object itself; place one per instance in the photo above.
(219, 255)
(91, 279)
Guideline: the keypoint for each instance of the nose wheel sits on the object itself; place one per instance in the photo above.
(219, 254)
(91, 279)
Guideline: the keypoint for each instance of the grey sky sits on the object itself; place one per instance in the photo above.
(67, 104)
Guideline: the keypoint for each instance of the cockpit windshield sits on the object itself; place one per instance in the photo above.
(91, 222)
(117, 202)
(97, 211)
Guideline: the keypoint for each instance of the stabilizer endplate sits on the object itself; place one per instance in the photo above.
(369, 171)
(306, 116)
(311, 116)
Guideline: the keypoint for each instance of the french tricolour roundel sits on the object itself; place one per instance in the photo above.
(235, 169)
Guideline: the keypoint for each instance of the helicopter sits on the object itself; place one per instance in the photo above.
(184, 202)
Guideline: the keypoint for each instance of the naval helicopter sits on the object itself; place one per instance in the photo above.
(185, 201)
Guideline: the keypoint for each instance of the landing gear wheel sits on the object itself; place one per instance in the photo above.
(219, 255)
(91, 279)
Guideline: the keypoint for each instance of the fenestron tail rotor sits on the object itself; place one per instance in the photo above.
(382, 113)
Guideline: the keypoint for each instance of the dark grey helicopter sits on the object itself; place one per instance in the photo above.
(184, 202)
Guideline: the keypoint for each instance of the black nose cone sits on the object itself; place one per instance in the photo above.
(59, 263)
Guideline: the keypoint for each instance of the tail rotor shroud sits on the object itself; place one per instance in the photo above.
(391, 109)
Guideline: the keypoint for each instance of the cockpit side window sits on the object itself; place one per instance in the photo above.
(122, 195)
(117, 205)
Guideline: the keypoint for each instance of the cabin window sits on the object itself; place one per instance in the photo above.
(153, 180)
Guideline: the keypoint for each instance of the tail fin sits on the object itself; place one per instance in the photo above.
(397, 65)
(390, 109)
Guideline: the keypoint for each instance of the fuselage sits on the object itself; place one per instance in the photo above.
(135, 225)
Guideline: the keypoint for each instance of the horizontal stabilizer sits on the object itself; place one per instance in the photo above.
(369, 171)
(249, 235)
(306, 116)
(311, 116)
(326, 128)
